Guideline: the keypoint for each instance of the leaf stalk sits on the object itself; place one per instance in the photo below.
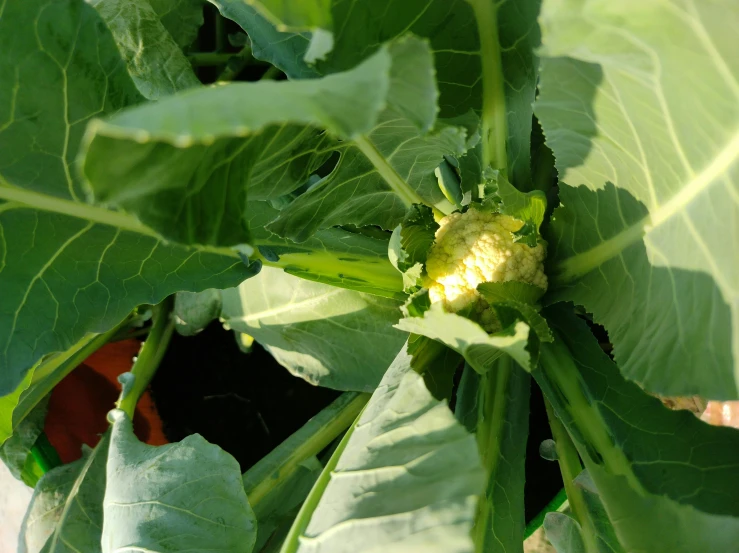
(494, 123)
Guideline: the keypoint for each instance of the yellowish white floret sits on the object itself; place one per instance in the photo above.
(476, 247)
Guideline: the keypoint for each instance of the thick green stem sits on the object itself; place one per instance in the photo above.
(274, 469)
(494, 124)
(493, 387)
(292, 541)
(570, 466)
(563, 376)
(149, 357)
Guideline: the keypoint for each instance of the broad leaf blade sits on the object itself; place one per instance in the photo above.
(329, 336)
(70, 268)
(186, 496)
(419, 471)
(628, 107)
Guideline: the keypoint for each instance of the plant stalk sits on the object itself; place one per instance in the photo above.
(494, 123)
(149, 357)
(292, 542)
(561, 373)
(570, 467)
(271, 471)
(407, 195)
(493, 386)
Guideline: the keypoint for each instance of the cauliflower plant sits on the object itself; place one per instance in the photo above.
(476, 247)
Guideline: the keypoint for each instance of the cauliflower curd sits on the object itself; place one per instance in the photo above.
(476, 247)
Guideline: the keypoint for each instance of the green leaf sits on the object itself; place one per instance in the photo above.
(206, 151)
(496, 407)
(186, 496)
(17, 448)
(193, 311)
(417, 469)
(182, 18)
(468, 338)
(651, 259)
(291, 15)
(528, 207)
(333, 256)
(155, 61)
(361, 27)
(563, 532)
(69, 268)
(284, 50)
(66, 511)
(666, 478)
(566, 534)
(329, 336)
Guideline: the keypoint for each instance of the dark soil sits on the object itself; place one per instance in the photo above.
(543, 479)
(246, 403)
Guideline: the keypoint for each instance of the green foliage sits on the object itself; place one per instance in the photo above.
(417, 470)
(642, 237)
(301, 212)
(290, 316)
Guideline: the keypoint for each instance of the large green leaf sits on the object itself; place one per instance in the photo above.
(496, 407)
(361, 26)
(667, 480)
(66, 511)
(415, 467)
(69, 268)
(155, 61)
(186, 496)
(329, 336)
(644, 95)
(187, 165)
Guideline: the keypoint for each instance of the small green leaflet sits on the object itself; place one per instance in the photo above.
(655, 186)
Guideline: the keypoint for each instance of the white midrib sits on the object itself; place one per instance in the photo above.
(287, 308)
(584, 262)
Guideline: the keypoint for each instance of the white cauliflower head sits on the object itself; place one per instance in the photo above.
(476, 247)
